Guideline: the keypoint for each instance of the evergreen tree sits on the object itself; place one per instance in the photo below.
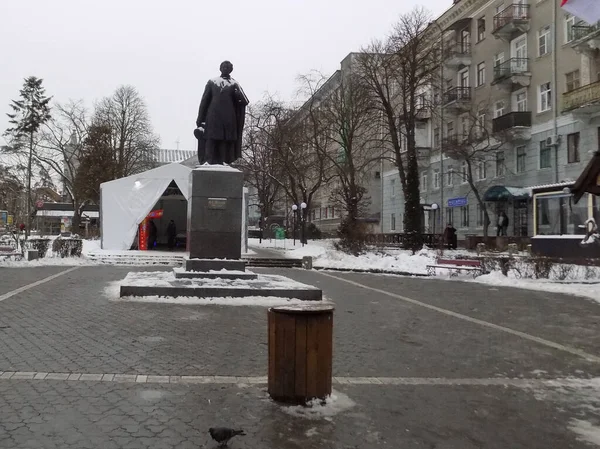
(29, 113)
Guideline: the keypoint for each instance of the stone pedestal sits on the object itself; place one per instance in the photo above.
(214, 229)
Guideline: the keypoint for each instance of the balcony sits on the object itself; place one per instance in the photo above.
(586, 38)
(583, 101)
(458, 55)
(457, 98)
(510, 21)
(514, 72)
(517, 124)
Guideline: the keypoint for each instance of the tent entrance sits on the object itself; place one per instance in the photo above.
(174, 206)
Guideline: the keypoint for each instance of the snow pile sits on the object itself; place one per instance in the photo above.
(325, 255)
(586, 431)
(580, 395)
(318, 409)
(575, 285)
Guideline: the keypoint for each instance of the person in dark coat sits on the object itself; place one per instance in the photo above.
(221, 117)
(152, 234)
(502, 224)
(171, 234)
(450, 236)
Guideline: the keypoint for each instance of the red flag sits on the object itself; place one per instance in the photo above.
(587, 10)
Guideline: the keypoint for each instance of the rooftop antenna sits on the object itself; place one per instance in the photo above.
(177, 143)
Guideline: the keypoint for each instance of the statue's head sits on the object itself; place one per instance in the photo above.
(226, 68)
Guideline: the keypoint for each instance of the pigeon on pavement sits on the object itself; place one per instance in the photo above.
(222, 435)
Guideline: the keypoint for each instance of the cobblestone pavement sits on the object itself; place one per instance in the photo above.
(411, 376)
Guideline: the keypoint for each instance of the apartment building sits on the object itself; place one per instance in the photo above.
(527, 71)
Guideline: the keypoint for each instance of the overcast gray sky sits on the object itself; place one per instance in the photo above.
(169, 49)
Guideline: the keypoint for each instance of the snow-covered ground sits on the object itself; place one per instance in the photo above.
(568, 279)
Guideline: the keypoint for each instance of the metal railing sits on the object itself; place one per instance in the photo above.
(581, 96)
(513, 66)
(511, 120)
(457, 49)
(514, 12)
(457, 94)
(582, 29)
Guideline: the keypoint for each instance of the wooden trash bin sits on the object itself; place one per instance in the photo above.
(300, 352)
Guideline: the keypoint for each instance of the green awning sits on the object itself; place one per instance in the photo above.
(504, 193)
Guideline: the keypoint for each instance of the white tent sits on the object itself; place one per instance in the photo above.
(125, 202)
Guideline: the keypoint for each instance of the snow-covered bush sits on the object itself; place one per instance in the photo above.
(39, 244)
(67, 247)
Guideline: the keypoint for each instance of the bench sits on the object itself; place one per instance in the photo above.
(6, 254)
(455, 266)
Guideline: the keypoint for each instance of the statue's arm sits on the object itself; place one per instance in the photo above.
(240, 96)
(204, 104)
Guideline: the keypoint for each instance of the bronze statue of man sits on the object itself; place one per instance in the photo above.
(220, 119)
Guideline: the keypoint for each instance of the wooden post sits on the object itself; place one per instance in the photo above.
(300, 352)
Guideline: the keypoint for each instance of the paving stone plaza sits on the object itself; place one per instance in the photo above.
(418, 363)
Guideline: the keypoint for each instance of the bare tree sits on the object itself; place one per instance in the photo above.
(133, 141)
(476, 149)
(59, 150)
(299, 169)
(259, 156)
(398, 72)
(343, 129)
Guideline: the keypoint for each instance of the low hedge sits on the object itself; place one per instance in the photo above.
(41, 245)
(67, 247)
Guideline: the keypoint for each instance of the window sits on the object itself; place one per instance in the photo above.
(436, 138)
(393, 222)
(449, 129)
(464, 216)
(499, 8)
(521, 155)
(464, 124)
(421, 101)
(436, 179)
(450, 177)
(480, 29)
(465, 40)
(449, 215)
(569, 32)
(544, 41)
(463, 78)
(481, 123)
(545, 155)
(572, 79)
(332, 212)
(481, 170)
(573, 148)
(481, 74)
(424, 181)
(464, 172)
(479, 216)
(521, 101)
(500, 164)
(393, 188)
(498, 109)
(545, 98)
(325, 214)
(498, 59)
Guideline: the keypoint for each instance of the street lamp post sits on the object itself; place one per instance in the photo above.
(294, 212)
(434, 208)
(303, 218)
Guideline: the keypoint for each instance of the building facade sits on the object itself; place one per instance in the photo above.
(529, 73)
